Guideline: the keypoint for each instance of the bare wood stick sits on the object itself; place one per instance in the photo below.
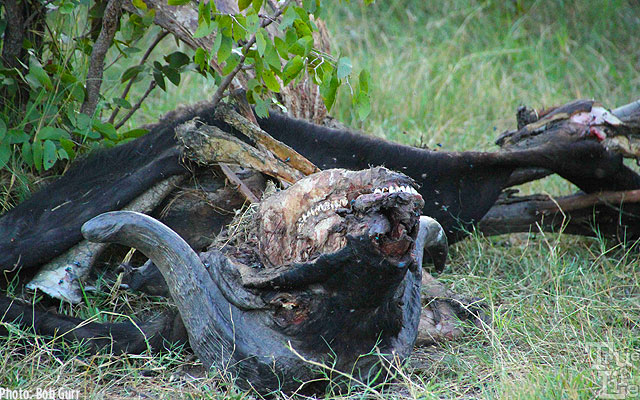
(110, 22)
(242, 187)
(210, 145)
(264, 140)
(612, 214)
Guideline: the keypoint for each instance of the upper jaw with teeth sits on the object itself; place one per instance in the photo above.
(395, 189)
(342, 203)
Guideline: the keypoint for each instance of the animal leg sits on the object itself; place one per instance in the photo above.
(123, 337)
(443, 311)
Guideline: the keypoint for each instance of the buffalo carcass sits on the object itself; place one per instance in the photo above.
(459, 188)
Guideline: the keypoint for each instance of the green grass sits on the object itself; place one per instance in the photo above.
(450, 75)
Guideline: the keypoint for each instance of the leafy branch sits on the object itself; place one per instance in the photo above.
(264, 47)
(217, 96)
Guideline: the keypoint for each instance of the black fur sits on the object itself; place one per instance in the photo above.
(458, 188)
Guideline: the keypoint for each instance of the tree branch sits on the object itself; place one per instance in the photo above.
(217, 96)
(144, 58)
(135, 108)
(110, 22)
(610, 214)
(13, 35)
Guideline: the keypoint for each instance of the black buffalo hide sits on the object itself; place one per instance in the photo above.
(458, 188)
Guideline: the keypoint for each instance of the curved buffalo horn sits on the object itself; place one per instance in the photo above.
(433, 241)
(627, 110)
(226, 330)
(189, 283)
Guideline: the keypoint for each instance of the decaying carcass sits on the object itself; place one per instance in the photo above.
(458, 189)
(327, 270)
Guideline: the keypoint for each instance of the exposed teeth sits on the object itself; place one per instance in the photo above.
(335, 204)
(324, 206)
(395, 189)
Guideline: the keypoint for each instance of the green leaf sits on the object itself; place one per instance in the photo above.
(49, 154)
(232, 62)
(302, 46)
(159, 78)
(204, 29)
(62, 154)
(36, 149)
(253, 23)
(121, 102)
(217, 42)
(83, 121)
(148, 18)
(139, 4)
(66, 7)
(68, 78)
(281, 46)
(309, 6)
(225, 49)
(362, 103)
(178, 2)
(51, 132)
(158, 75)
(106, 129)
(27, 155)
(261, 43)
(262, 107)
(69, 147)
(172, 74)
(201, 58)
(224, 24)
(252, 84)
(239, 30)
(177, 59)
(270, 80)
(363, 80)
(291, 69)
(135, 133)
(77, 91)
(36, 70)
(291, 37)
(242, 4)
(271, 56)
(344, 67)
(131, 73)
(257, 5)
(302, 28)
(16, 136)
(287, 19)
(204, 13)
(328, 90)
(5, 154)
